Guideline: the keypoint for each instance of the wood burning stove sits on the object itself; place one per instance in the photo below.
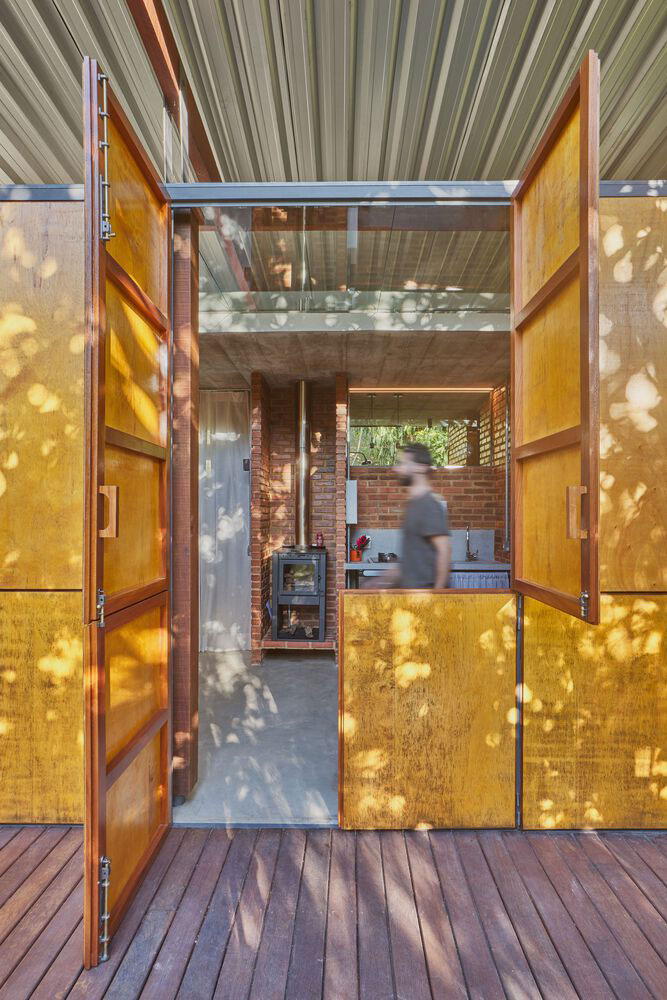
(298, 595)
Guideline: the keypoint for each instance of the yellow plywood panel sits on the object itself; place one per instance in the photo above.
(41, 708)
(41, 395)
(136, 665)
(135, 359)
(139, 222)
(428, 710)
(633, 394)
(549, 557)
(550, 367)
(136, 557)
(134, 810)
(550, 212)
(595, 733)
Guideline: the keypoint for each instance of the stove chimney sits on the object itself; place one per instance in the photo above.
(302, 527)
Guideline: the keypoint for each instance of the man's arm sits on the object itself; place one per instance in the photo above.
(443, 551)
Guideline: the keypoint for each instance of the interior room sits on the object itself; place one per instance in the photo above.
(329, 336)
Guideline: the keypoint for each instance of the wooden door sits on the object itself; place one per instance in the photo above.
(555, 409)
(126, 575)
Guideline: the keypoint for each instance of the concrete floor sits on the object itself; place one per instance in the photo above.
(268, 741)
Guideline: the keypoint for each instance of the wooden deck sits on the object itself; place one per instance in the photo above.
(272, 914)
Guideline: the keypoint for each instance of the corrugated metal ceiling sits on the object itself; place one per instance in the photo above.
(342, 89)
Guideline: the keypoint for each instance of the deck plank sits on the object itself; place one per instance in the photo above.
(341, 977)
(511, 963)
(201, 974)
(165, 976)
(375, 973)
(410, 972)
(638, 905)
(140, 956)
(239, 962)
(639, 871)
(650, 855)
(31, 884)
(92, 983)
(64, 970)
(7, 832)
(32, 921)
(18, 844)
(270, 976)
(582, 968)
(612, 960)
(306, 971)
(442, 959)
(482, 978)
(37, 960)
(629, 936)
(30, 859)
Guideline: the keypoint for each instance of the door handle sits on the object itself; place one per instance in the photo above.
(574, 494)
(111, 530)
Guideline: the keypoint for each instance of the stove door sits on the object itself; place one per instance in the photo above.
(298, 576)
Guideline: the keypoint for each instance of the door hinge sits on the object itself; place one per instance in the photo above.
(101, 601)
(104, 881)
(583, 604)
(106, 231)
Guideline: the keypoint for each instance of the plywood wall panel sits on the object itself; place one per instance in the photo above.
(633, 394)
(41, 708)
(428, 710)
(595, 732)
(41, 395)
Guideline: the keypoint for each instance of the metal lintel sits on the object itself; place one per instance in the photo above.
(41, 192)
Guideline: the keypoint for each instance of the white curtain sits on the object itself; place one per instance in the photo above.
(224, 515)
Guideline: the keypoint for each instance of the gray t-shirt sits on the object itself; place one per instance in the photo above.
(425, 518)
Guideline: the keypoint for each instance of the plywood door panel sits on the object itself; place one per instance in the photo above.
(551, 392)
(134, 814)
(41, 395)
(550, 211)
(545, 480)
(555, 376)
(135, 371)
(127, 664)
(427, 710)
(136, 658)
(136, 556)
(595, 711)
(633, 394)
(139, 219)
(41, 715)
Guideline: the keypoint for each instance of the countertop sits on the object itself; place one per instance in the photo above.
(467, 567)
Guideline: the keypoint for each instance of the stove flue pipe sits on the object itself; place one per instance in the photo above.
(302, 527)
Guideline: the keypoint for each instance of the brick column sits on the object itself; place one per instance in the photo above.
(260, 519)
(341, 478)
(185, 493)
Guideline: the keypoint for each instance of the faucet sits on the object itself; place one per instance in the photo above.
(470, 555)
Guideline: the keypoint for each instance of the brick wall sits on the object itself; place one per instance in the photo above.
(260, 513)
(471, 495)
(280, 439)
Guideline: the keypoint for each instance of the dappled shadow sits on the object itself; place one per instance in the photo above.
(267, 741)
(633, 393)
(595, 716)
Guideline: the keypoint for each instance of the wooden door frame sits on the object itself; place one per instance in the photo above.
(583, 262)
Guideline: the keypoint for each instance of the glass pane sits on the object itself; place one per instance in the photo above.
(299, 578)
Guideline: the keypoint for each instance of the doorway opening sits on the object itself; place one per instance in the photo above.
(339, 331)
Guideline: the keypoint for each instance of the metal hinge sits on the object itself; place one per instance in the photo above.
(101, 601)
(106, 231)
(103, 882)
(583, 604)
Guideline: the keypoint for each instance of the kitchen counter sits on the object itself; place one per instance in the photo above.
(460, 567)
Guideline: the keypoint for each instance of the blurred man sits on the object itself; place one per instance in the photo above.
(426, 548)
